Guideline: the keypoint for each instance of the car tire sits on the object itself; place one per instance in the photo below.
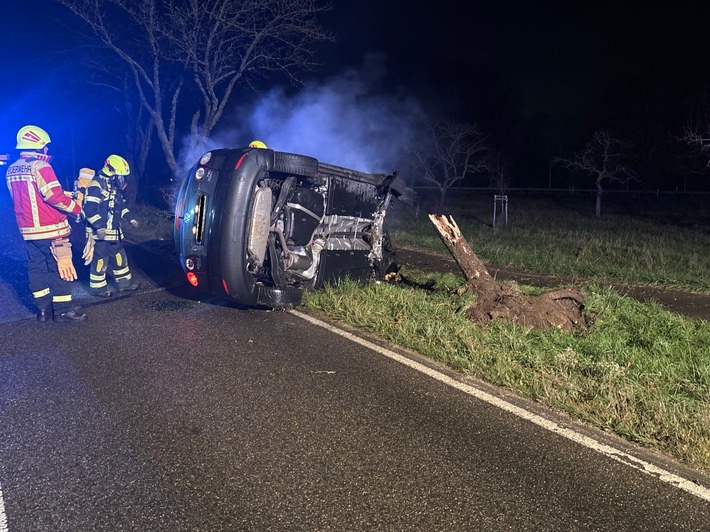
(236, 212)
(291, 163)
(271, 297)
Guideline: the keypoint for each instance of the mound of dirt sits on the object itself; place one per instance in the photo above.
(682, 302)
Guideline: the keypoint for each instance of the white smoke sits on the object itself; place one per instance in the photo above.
(346, 121)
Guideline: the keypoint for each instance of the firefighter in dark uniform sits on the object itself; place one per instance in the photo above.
(41, 208)
(104, 208)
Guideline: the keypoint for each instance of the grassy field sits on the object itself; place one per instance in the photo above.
(639, 371)
(645, 240)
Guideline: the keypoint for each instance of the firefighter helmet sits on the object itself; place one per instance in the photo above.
(32, 138)
(257, 144)
(116, 165)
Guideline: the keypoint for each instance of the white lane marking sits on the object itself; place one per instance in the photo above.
(3, 518)
(620, 456)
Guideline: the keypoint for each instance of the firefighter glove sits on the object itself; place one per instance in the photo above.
(134, 223)
(101, 233)
(88, 253)
(61, 250)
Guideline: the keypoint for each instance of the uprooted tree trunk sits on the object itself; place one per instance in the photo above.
(561, 309)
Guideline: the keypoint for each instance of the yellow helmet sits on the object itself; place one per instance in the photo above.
(257, 144)
(116, 165)
(32, 138)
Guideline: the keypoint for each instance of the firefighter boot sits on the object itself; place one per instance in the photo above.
(132, 287)
(73, 314)
(44, 314)
(101, 292)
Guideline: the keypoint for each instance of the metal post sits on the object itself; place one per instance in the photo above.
(503, 199)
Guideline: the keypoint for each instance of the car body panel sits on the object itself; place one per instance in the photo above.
(261, 226)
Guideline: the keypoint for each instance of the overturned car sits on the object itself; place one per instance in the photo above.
(261, 226)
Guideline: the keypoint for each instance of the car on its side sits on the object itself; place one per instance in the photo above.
(261, 226)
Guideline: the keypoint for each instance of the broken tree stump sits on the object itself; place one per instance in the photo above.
(561, 309)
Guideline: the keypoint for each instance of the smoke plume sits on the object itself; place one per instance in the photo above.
(347, 120)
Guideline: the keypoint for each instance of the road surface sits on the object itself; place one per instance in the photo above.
(166, 411)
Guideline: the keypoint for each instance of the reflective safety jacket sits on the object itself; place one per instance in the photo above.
(104, 207)
(41, 205)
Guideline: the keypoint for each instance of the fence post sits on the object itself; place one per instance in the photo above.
(503, 199)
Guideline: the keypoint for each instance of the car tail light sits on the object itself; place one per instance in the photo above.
(200, 173)
(224, 285)
(190, 263)
(205, 158)
(192, 278)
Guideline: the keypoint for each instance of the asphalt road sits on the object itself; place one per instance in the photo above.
(168, 411)
(163, 412)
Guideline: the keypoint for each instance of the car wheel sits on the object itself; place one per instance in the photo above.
(291, 163)
(271, 297)
(237, 213)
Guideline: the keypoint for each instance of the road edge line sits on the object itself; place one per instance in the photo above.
(3, 517)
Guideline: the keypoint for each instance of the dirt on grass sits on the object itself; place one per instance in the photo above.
(691, 304)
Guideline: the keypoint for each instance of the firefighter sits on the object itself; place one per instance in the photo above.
(41, 208)
(104, 208)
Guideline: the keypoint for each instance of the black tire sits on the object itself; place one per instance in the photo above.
(271, 297)
(232, 253)
(291, 163)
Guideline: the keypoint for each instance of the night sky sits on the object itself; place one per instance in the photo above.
(510, 65)
(554, 56)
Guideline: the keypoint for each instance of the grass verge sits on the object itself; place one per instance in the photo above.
(640, 371)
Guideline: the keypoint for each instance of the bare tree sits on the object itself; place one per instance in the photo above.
(452, 151)
(139, 129)
(603, 158)
(211, 44)
(112, 79)
(694, 157)
(500, 171)
(696, 134)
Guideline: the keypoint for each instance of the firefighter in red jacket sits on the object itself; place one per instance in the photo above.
(105, 207)
(41, 208)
